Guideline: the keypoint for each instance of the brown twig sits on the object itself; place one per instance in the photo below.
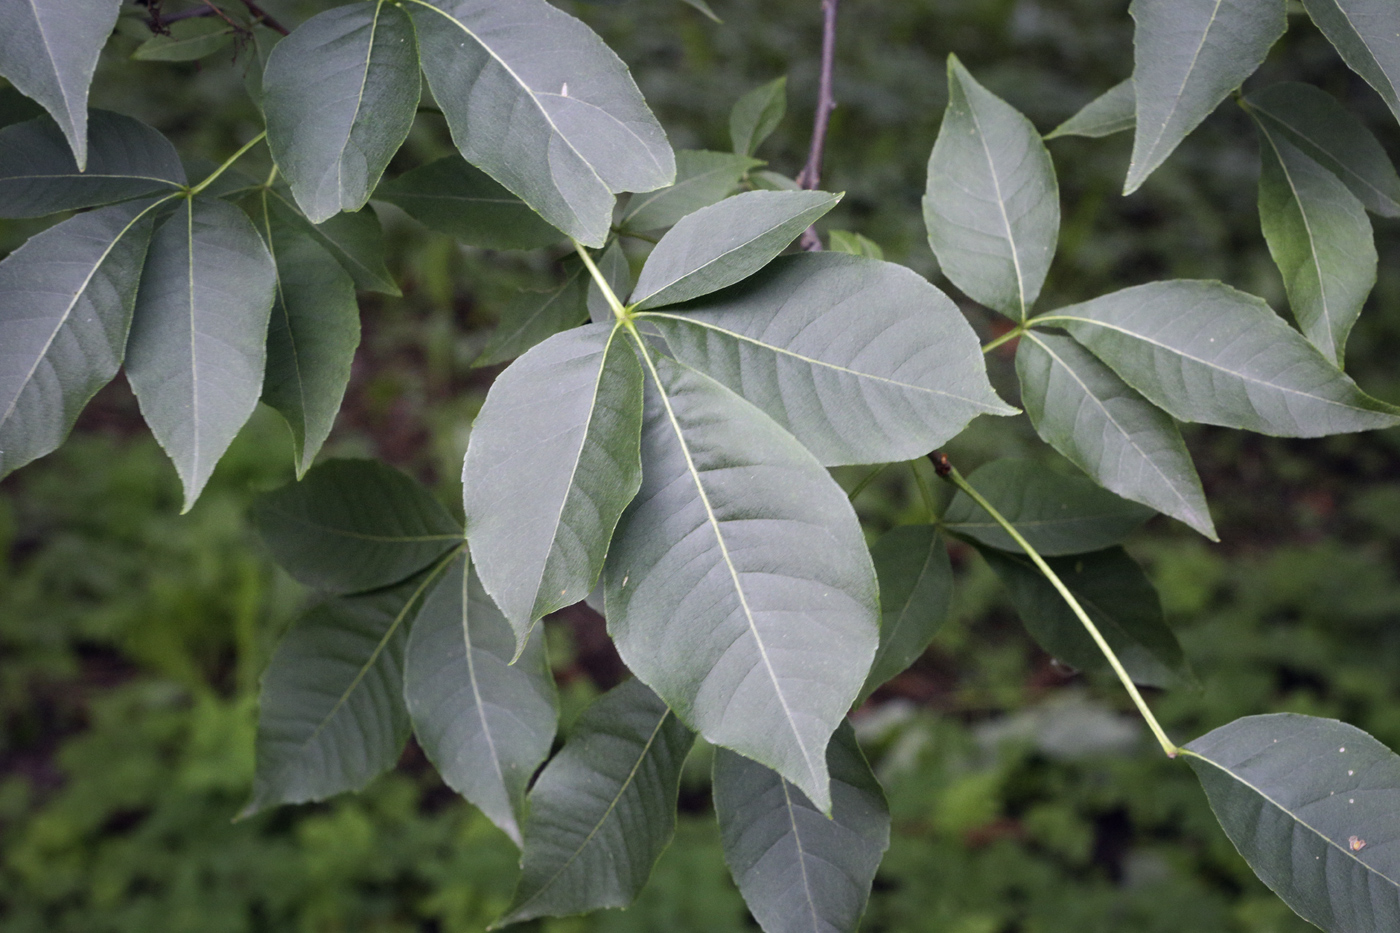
(260, 16)
(811, 174)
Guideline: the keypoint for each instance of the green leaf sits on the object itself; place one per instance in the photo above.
(1057, 514)
(533, 317)
(1206, 352)
(773, 181)
(126, 159)
(800, 871)
(1113, 111)
(49, 49)
(189, 40)
(354, 525)
(1321, 240)
(1331, 135)
(1311, 804)
(756, 115)
(726, 243)
(1367, 34)
(1127, 444)
(340, 94)
(354, 238)
(916, 591)
(863, 361)
(1189, 55)
(66, 298)
(703, 7)
(603, 809)
(1120, 600)
(16, 108)
(331, 713)
(738, 585)
(702, 178)
(844, 241)
(312, 336)
(992, 207)
(484, 723)
(536, 100)
(454, 197)
(198, 344)
(553, 461)
(617, 272)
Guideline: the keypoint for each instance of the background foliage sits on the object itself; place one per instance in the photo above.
(131, 640)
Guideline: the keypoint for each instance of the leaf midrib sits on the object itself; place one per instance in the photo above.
(1151, 150)
(1001, 203)
(682, 319)
(1052, 318)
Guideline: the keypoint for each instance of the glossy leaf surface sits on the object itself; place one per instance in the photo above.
(66, 299)
(1188, 55)
(1057, 514)
(536, 100)
(1311, 804)
(916, 591)
(455, 197)
(533, 317)
(1206, 352)
(702, 178)
(603, 809)
(863, 361)
(992, 207)
(756, 115)
(1113, 111)
(49, 49)
(725, 243)
(331, 712)
(340, 94)
(1120, 600)
(800, 871)
(354, 525)
(198, 344)
(1320, 239)
(1102, 425)
(354, 238)
(553, 460)
(1331, 135)
(486, 724)
(1367, 34)
(311, 339)
(738, 585)
(126, 159)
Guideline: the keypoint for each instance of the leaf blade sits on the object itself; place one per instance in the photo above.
(1188, 55)
(756, 115)
(725, 243)
(1367, 34)
(198, 343)
(992, 205)
(340, 94)
(49, 50)
(540, 512)
(454, 197)
(603, 809)
(354, 525)
(563, 148)
(1101, 424)
(126, 159)
(1285, 787)
(863, 361)
(66, 300)
(355, 239)
(533, 317)
(486, 724)
(702, 178)
(916, 592)
(1113, 111)
(1057, 514)
(1203, 351)
(738, 541)
(1321, 241)
(799, 871)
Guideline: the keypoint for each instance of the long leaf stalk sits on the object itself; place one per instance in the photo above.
(950, 473)
(228, 163)
(614, 302)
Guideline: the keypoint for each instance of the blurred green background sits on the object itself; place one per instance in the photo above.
(1025, 798)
